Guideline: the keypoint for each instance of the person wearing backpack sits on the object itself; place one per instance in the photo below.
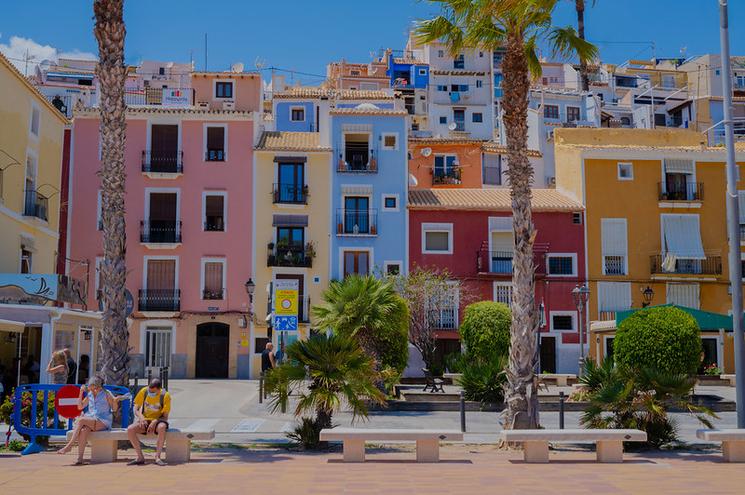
(152, 405)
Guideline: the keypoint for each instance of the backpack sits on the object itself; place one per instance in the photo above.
(144, 399)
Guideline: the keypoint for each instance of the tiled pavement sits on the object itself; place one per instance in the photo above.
(464, 470)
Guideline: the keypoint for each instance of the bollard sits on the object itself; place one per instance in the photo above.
(164, 377)
(261, 387)
(561, 410)
(462, 412)
(149, 376)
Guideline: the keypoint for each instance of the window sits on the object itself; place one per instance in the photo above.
(223, 89)
(357, 215)
(215, 143)
(354, 72)
(562, 321)
(577, 218)
(477, 117)
(214, 212)
(390, 141)
(459, 62)
(572, 114)
(446, 170)
(492, 169)
(551, 111)
(687, 295)
(422, 72)
(561, 265)
(356, 262)
(682, 249)
(625, 171)
(479, 83)
(161, 285)
(680, 183)
(442, 87)
(291, 183)
(357, 151)
(443, 120)
(35, 120)
(392, 267)
(26, 260)
(161, 71)
(443, 308)
(440, 53)
(614, 245)
(457, 88)
(158, 347)
(437, 238)
(290, 243)
(613, 297)
(390, 202)
(164, 155)
(503, 293)
(459, 116)
(213, 278)
(297, 114)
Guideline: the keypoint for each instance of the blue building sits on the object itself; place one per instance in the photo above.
(369, 189)
(407, 73)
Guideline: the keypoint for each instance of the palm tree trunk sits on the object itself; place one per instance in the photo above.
(521, 394)
(580, 7)
(109, 31)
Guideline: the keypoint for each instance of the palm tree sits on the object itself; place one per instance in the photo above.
(579, 6)
(109, 31)
(369, 310)
(518, 26)
(340, 372)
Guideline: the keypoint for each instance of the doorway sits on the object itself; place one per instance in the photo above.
(213, 344)
(710, 347)
(548, 355)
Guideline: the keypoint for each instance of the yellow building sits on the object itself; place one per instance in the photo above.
(292, 221)
(655, 218)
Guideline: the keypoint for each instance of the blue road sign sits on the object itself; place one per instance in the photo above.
(285, 323)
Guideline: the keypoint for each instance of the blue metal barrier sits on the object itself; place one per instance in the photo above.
(57, 427)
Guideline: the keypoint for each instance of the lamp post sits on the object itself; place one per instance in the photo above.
(647, 295)
(250, 288)
(580, 296)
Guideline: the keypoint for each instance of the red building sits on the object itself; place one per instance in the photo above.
(468, 232)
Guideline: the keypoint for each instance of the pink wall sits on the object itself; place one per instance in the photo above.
(471, 229)
(246, 90)
(234, 176)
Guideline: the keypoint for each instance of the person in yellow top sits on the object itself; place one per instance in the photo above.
(152, 405)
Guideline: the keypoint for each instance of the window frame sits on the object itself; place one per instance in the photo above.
(220, 82)
(546, 107)
(292, 110)
(358, 250)
(573, 257)
(385, 135)
(395, 197)
(480, 120)
(578, 112)
(437, 227)
(619, 165)
(388, 263)
(572, 314)
(224, 195)
(203, 278)
(205, 149)
(502, 284)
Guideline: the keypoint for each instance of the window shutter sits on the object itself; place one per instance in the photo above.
(213, 276)
(214, 206)
(215, 138)
(613, 232)
(614, 296)
(679, 166)
(683, 295)
(682, 236)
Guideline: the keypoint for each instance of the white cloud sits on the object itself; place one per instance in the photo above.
(18, 47)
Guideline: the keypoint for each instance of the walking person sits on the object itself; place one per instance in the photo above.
(57, 368)
(101, 406)
(268, 361)
(152, 405)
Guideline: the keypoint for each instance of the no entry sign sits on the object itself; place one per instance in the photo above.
(66, 402)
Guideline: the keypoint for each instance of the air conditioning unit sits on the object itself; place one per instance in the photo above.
(203, 105)
(228, 105)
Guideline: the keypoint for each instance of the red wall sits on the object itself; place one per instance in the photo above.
(555, 230)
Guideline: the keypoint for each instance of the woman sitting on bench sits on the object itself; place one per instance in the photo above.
(101, 405)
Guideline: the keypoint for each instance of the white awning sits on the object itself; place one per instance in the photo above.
(679, 166)
(500, 224)
(682, 237)
(11, 326)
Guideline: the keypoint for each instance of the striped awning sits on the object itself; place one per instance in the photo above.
(290, 220)
(356, 189)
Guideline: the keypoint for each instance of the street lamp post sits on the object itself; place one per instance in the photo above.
(580, 296)
(647, 295)
(250, 288)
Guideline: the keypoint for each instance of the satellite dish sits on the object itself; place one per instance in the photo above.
(236, 67)
(259, 63)
(413, 182)
(452, 126)
(426, 152)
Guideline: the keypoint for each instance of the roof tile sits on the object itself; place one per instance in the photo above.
(487, 199)
(290, 141)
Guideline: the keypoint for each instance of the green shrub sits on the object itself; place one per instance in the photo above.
(663, 338)
(485, 330)
(483, 379)
(307, 434)
(16, 445)
(455, 362)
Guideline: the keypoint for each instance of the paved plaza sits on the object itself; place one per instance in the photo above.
(463, 470)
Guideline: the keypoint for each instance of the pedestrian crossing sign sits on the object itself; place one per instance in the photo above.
(285, 323)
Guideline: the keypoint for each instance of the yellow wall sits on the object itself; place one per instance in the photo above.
(317, 177)
(16, 101)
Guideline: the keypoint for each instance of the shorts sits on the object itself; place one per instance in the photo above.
(141, 426)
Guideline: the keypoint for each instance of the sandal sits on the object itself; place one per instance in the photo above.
(136, 462)
(79, 462)
(160, 462)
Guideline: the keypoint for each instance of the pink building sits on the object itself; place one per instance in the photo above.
(189, 164)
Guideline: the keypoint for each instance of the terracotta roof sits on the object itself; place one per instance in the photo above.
(363, 94)
(493, 147)
(445, 140)
(303, 92)
(341, 94)
(369, 111)
(457, 72)
(88, 111)
(290, 141)
(487, 199)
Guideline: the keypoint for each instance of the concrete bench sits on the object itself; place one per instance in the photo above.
(178, 443)
(609, 442)
(427, 441)
(733, 442)
(730, 379)
(561, 379)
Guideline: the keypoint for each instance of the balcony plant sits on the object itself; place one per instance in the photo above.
(310, 250)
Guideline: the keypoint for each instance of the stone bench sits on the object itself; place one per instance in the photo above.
(178, 443)
(427, 441)
(730, 379)
(560, 379)
(609, 442)
(733, 442)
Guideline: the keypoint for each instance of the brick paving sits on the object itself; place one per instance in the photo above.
(463, 470)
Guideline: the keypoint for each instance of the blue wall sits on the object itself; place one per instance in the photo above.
(410, 72)
(282, 116)
(391, 178)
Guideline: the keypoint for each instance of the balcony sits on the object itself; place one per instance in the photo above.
(500, 263)
(36, 205)
(356, 222)
(354, 161)
(159, 97)
(295, 256)
(289, 194)
(690, 191)
(213, 294)
(160, 232)
(163, 162)
(710, 265)
(446, 177)
(215, 155)
(168, 300)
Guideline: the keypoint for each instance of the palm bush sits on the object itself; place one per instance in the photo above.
(326, 372)
(483, 379)
(621, 397)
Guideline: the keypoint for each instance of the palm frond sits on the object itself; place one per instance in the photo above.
(565, 43)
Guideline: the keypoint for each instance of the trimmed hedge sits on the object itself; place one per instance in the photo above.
(662, 338)
(485, 330)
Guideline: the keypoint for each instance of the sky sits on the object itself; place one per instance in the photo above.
(304, 35)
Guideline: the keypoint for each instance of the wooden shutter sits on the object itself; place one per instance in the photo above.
(215, 138)
(161, 274)
(214, 206)
(213, 276)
